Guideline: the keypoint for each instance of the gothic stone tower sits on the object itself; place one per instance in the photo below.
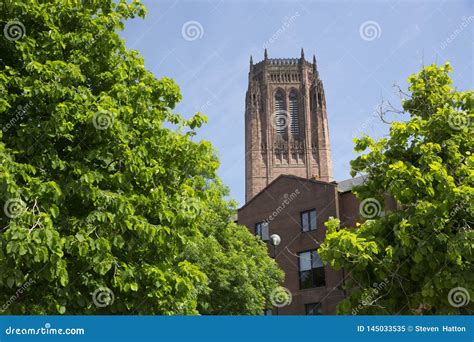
(286, 126)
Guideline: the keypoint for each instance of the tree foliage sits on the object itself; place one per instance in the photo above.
(109, 206)
(418, 258)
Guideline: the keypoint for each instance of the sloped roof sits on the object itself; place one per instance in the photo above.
(349, 184)
(300, 179)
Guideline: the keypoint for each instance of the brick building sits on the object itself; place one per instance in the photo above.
(289, 185)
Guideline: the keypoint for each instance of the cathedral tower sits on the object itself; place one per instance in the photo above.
(286, 126)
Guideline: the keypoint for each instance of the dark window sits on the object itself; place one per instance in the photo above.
(308, 220)
(261, 229)
(314, 309)
(295, 125)
(311, 270)
(267, 312)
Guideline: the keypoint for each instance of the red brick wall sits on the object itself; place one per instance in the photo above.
(302, 195)
(348, 209)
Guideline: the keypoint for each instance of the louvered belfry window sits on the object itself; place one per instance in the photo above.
(280, 114)
(295, 124)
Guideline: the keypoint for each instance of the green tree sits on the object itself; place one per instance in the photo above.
(106, 198)
(242, 278)
(417, 258)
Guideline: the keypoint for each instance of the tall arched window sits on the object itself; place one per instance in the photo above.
(294, 114)
(280, 114)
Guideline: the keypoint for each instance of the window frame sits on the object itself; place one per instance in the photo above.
(280, 95)
(308, 212)
(260, 233)
(317, 305)
(312, 271)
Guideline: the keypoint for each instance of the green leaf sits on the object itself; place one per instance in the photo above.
(10, 281)
(113, 183)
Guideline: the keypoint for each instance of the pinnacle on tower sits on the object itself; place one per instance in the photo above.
(302, 147)
(251, 60)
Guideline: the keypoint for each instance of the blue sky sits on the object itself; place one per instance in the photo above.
(362, 47)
